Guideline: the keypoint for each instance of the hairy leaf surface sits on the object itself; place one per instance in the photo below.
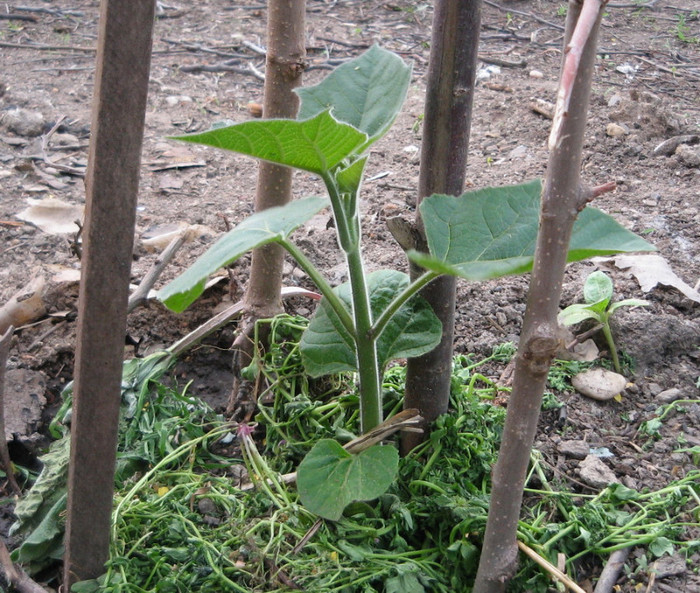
(366, 92)
(317, 144)
(269, 226)
(329, 478)
(492, 232)
(326, 347)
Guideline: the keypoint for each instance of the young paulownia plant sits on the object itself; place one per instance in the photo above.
(375, 317)
(598, 306)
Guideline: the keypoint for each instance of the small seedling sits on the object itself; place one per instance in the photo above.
(598, 292)
(682, 31)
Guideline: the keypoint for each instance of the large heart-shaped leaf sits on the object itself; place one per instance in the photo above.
(269, 226)
(326, 346)
(329, 478)
(366, 92)
(317, 144)
(492, 232)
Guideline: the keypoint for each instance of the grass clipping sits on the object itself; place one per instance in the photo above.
(184, 521)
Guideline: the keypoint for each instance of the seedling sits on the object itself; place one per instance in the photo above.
(682, 30)
(598, 292)
(375, 318)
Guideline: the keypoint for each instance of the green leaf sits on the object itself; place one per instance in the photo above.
(576, 314)
(406, 581)
(317, 144)
(349, 179)
(661, 546)
(329, 478)
(366, 92)
(326, 347)
(492, 232)
(269, 226)
(628, 303)
(598, 290)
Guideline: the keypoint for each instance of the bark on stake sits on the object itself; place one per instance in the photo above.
(284, 65)
(121, 85)
(562, 199)
(448, 108)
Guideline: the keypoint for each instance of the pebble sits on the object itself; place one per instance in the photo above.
(595, 473)
(668, 395)
(630, 482)
(574, 449)
(173, 100)
(24, 122)
(536, 74)
(654, 388)
(688, 155)
(668, 566)
(614, 100)
(518, 152)
(615, 130)
(599, 384)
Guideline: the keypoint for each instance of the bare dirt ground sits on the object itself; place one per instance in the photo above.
(206, 68)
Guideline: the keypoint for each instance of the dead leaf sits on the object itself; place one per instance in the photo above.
(52, 215)
(168, 182)
(650, 270)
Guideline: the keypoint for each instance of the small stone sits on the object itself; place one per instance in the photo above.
(599, 384)
(614, 100)
(536, 74)
(669, 395)
(630, 482)
(173, 100)
(688, 155)
(518, 152)
(65, 140)
(654, 388)
(595, 473)
(206, 506)
(615, 130)
(24, 122)
(574, 449)
(669, 566)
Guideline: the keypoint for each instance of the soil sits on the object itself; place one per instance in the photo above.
(204, 70)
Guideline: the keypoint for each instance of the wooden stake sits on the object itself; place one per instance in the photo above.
(121, 86)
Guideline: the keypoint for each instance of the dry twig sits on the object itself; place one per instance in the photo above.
(612, 569)
(553, 571)
(20, 581)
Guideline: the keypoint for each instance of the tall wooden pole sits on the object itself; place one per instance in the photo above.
(448, 108)
(119, 106)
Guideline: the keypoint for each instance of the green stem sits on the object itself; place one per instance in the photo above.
(611, 344)
(321, 283)
(366, 346)
(399, 300)
(348, 229)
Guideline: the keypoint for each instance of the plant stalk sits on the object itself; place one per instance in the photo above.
(611, 345)
(348, 230)
(322, 284)
(366, 346)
